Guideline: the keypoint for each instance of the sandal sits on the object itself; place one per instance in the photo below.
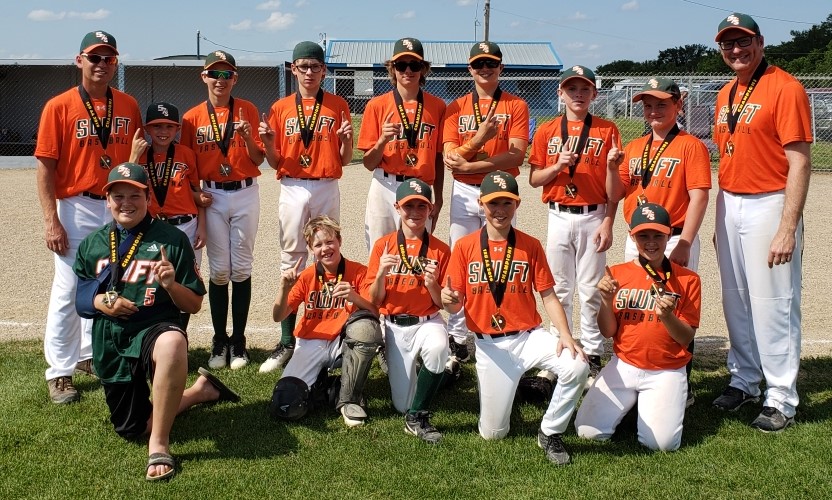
(160, 459)
(226, 394)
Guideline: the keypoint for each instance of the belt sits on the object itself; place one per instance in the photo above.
(675, 231)
(179, 220)
(306, 178)
(497, 335)
(231, 185)
(93, 196)
(399, 178)
(407, 319)
(573, 209)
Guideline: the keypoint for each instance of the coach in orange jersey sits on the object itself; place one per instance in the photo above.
(308, 139)
(763, 132)
(83, 133)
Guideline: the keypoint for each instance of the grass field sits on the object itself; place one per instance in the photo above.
(236, 451)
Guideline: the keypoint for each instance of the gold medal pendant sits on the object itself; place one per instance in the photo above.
(498, 321)
(161, 216)
(305, 160)
(416, 268)
(641, 199)
(411, 160)
(110, 298)
(225, 169)
(327, 288)
(729, 148)
(571, 190)
(105, 162)
(656, 290)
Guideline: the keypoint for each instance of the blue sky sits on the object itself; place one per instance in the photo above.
(590, 32)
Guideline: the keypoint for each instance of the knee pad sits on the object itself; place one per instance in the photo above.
(363, 327)
(290, 399)
(361, 341)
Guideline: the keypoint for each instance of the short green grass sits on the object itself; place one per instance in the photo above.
(237, 451)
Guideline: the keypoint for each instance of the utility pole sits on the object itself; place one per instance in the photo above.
(197, 44)
(487, 16)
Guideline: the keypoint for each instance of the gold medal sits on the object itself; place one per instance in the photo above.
(729, 148)
(411, 160)
(161, 216)
(327, 289)
(110, 298)
(571, 190)
(225, 169)
(417, 268)
(656, 290)
(498, 321)
(105, 162)
(641, 199)
(305, 160)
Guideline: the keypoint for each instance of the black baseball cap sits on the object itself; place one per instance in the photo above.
(485, 50)
(499, 184)
(408, 47)
(308, 50)
(650, 216)
(161, 112)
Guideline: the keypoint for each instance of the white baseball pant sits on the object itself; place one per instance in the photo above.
(631, 252)
(761, 305)
(300, 201)
(501, 362)
(574, 263)
(67, 338)
(660, 395)
(189, 228)
(380, 217)
(232, 222)
(428, 340)
(310, 357)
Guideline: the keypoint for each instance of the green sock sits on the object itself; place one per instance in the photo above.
(287, 328)
(427, 384)
(240, 302)
(218, 299)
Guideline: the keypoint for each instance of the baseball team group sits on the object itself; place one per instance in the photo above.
(130, 201)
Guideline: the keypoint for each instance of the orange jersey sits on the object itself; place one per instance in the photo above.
(323, 317)
(198, 135)
(460, 126)
(590, 174)
(684, 165)
(180, 197)
(406, 292)
(776, 114)
(642, 340)
(395, 152)
(66, 134)
(529, 273)
(325, 147)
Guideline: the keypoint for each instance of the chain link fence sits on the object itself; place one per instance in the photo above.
(25, 88)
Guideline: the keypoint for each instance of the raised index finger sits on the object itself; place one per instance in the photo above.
(242, 114)
(448, 285)
(139, 134)
(163, 253)
(388, 117)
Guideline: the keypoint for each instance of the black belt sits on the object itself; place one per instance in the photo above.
(497, 335)
(93, 196)
(179, 220)
(231, 185)
(675, 231)
(306, 178)
(407, 319)
(573, 209)
(399, 178)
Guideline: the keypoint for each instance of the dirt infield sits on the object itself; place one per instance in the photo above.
(24, 302)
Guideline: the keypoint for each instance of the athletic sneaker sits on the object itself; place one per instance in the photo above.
(278, 358)
(459, 350)
(732, 399)
(61, 390)
(219, 355)
(239, 356)
(419, 425)
(594, 370)
(553, 445)
(772, 420)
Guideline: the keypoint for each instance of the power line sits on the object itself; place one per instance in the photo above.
(245, 50)
(752, 15)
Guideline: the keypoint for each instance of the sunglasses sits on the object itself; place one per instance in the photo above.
(216, 74)
(96, 59)
(488, 63)
(742, 42)
(315, 68)
(401, 66)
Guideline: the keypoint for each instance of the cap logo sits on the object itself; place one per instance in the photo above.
(220, 54)
(124, 171)
(484, 48)
(648, 213)
(653, 83)
(416, 187)
(101, 36)
(408, 44)
(162, 109)
(733, 20)
(500, 182)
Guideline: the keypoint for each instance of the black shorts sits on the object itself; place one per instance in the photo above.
(129, 402)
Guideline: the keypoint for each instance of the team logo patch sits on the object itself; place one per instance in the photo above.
(648, 213)
(733, 20)
(162, 109)
(220, 54)
(101, 36)
(500, 182)
(416, 187)
(408, 44)
(653, 83)
(484, 47)
(124, 171)
(578, 70)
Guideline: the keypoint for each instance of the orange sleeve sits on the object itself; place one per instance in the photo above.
(371, 123)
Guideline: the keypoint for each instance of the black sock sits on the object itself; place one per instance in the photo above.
(218, 300)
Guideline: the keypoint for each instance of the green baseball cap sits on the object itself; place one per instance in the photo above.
(488, 50)
(577, 71)
(413, 189)
(663, 88)
(650, 216)
(742, 22)
(128, 173)
(220, 56)
(499, 184)
(308, 50)
(161, 112)
(95, 39)
(408, 47)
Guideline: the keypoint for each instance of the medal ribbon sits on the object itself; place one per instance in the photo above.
(661, 281)
(320, 273)
(102, 128)
(734, 116)
(307, 127)
(160, 185)
(564, 136)
(223, 140)
(497, 285)
(475, 101)
(122, 254)
(411, 130)
(648, 165)
(423, 250)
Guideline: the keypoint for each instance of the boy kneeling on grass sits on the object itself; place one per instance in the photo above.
(650, 306)
(494, 273)
(336, 321)
(134, 276)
